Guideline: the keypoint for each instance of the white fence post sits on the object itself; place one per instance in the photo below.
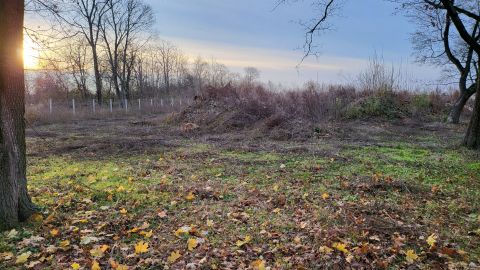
(172, 102)
(93, 105)
(111, 106)
(50, 105)
(151, 102)
(126, 105)
(180, 101)
(73, 106)
(161, 102)
(139, 105)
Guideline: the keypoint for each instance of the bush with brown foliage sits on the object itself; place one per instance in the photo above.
(295, 114)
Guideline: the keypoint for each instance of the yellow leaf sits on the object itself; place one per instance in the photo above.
(147, 234)
(75, 266)
(411, 256)
(192, 243)
(141, 247)
(209, 223)
(122, 267)
(37, 217)
(96, 266)
(258, 264)
(120, 189)
(134, 230)
(54, 232)
(243, 242)
(174, 256)
(340, 247)
(23, 258)
(98, 251)
(190, 196)
(104, 248)
(325, 196)
(431, 240)
(123, 211)
(182, 230)
(325, 249)
(64, 243)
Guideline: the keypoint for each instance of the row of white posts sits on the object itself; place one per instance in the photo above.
(94, 103)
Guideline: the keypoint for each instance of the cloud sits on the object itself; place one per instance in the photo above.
(276, 65)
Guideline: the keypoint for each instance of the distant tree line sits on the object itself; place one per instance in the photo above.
(108, 49)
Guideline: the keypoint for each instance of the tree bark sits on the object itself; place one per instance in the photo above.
(98, 76)
(472, 138)
(15, 204)
(457, 108)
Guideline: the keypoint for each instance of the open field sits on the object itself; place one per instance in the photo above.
(371, 195)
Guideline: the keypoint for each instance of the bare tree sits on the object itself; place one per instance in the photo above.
(462, 15)
(166, 56)
(15, 203)
(122, 26)
(200, 71)
(78, 66)
(251, 74)
(435, 42)
(459, 14)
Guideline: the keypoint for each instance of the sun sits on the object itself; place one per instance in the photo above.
(30, 53)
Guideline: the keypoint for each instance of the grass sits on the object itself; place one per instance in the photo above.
(380, 201)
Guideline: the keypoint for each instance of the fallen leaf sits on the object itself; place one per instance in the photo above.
(341, 247)
(33, 264)
(23, 258)
(88, 239)
(147, 234)
(258, 264)
(243, 242)
(411, 256)
(75, 266)
(37, 217)
(183, 230)
(54, 232)
(432, 240)
(190, 196)
(123, 211)
(141, 247)
(65, 243)
(192, 244)
(162, 214)
(96, 266)
(325, 196)
(6, 256)
(325, 250)
(174, 256)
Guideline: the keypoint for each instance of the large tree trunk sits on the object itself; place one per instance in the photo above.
(457, 108)
(472, 138)
(15, 204)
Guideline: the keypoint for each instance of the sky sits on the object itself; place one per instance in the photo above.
(255, 33)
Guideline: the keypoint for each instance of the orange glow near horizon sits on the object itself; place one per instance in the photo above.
(30, 53)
